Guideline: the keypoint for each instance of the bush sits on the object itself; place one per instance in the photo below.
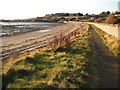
(111, 19)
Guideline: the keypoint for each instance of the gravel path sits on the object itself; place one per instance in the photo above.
(106, 66)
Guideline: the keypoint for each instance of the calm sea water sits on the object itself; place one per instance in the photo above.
(11, 28)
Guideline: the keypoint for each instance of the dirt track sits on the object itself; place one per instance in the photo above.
(106, 66)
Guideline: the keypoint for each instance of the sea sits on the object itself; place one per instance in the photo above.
(13, 28)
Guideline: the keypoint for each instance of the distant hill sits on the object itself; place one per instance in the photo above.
(61, 17)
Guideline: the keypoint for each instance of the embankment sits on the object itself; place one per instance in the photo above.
(67, 66)
(33, 42)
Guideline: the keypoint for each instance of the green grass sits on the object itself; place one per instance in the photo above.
(55, 69)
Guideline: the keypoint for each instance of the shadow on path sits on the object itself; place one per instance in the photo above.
(106, 66)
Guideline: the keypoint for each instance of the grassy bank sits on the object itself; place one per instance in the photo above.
(59, 68)
(110, 41)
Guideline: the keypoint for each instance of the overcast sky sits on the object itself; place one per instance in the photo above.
(21, 9)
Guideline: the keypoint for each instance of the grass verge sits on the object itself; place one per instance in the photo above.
(58, 68)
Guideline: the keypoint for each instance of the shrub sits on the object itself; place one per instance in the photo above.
(68, 43)
(111, 19)
(54, 43)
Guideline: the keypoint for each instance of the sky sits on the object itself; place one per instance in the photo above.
(21, 9)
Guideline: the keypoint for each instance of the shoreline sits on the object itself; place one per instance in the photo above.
(15, 28)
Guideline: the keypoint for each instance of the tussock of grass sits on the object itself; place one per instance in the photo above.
(55, 69)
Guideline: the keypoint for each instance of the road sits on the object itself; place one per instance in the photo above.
(32, 40)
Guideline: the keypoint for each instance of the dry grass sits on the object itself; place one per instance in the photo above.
(63, 40)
